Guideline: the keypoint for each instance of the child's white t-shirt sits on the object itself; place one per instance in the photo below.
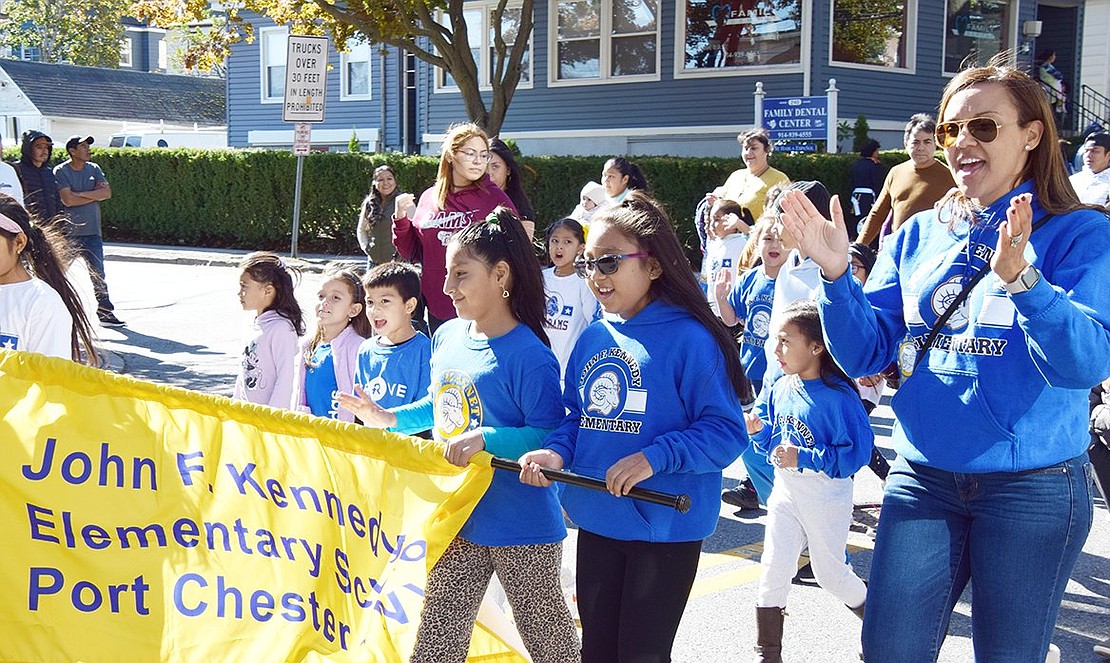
(721, 253)
(569, 308)
(33, 318)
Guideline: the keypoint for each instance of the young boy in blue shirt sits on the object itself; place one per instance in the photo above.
(392, 368)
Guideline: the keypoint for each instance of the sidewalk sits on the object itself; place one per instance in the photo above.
(313, 263)
(184, 255)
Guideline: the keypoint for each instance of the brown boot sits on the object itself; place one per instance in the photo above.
(768, 639)
(858, 612)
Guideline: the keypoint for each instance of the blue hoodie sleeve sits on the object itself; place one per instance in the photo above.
(863, 331)
(848, 439)
(562, 439)
(716, 435)
(765, 410)
(1066, 315)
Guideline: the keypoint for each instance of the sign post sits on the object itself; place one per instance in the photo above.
(305, 89)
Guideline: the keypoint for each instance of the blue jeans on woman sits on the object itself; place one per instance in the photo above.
(1014, 536)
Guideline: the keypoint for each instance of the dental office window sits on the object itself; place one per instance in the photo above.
(605, 40)
(975, 30)
(736, 34)
(872, 32)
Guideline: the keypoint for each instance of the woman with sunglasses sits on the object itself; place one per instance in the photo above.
(636, 561)
(463, 193)
(910, 187)
(992, 484)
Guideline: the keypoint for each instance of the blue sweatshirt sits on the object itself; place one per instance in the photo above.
(508, 387)
(393, 375)
(751, 299)
(827, 423)
(1004, 387)
(633, 386)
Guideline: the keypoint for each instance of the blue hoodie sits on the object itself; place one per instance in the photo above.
(827, 423)
(1004, 387)
(656, 383)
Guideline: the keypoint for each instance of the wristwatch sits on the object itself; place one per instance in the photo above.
(1025, 280)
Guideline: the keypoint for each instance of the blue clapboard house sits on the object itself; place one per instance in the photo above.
(675, 76)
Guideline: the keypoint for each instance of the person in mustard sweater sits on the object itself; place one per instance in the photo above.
(910, 187)
(748, 186)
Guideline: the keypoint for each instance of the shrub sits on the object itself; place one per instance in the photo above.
(244, 198)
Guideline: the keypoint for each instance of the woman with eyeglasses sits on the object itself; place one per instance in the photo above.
(463, 193)
(910, 187)
(648, 409)
(992, 485)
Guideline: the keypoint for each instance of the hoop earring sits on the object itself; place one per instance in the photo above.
(504, 294)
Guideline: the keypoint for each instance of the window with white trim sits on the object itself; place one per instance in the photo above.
(976, 30)
(605, 40)
(125, 52)
(481, 37)
(355, 65)
(872, 32)
(735, 35)
(273, 52)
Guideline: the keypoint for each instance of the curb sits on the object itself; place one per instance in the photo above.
(179, 255)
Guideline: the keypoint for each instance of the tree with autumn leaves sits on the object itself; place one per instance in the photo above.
(433, 30)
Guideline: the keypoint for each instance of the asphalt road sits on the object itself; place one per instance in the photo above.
(184, 326)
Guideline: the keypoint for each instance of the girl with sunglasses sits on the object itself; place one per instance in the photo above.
(463, 193)
(992, 482)
(643, 409)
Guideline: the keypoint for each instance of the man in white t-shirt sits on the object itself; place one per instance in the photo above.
(1092, 184)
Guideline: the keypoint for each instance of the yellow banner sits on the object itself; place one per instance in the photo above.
(148, 523)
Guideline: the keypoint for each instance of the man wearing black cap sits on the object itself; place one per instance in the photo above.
(81, 186)
(1093, 182)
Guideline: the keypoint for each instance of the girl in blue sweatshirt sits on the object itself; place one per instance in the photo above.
(812, 426)
(992, 482)
(495, 386)
(653, 399)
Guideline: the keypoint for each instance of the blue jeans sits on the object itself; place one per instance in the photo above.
(91, 248)
(1015, 536)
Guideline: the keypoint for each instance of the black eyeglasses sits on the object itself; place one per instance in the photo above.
(982, 129)
(607, 264)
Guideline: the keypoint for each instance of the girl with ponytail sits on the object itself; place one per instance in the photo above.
(39, 309)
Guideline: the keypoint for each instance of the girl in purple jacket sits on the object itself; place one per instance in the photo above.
(266, 372)
(326, 362)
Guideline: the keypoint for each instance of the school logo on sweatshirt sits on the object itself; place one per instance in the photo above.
(609, 387)
(457, 406)
(759, 323)
(942, 298)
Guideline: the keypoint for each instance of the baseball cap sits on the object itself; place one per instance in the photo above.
(1099, 140)
(74, 141)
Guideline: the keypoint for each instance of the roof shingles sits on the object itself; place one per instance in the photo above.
(64, 90)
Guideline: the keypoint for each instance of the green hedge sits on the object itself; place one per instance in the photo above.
(244, 198)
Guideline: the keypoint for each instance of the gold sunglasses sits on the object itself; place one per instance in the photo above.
(982, 129)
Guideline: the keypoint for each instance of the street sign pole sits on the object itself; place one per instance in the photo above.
(305, 89)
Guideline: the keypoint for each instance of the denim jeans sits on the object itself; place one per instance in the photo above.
(1014, 536)
(91, 248)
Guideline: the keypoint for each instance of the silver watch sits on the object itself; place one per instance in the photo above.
(1025, 280)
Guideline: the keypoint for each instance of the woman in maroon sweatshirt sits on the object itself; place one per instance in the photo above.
(463, 194)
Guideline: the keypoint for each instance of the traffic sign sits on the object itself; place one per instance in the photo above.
(302, 139)
(796, 118)
(305, 79)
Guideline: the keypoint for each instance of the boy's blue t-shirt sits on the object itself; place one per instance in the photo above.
(320, 383)
(393, 375)
(511, 381)
(751, 299)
